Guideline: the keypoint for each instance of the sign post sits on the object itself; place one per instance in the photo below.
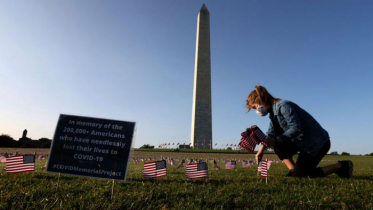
(91, 147)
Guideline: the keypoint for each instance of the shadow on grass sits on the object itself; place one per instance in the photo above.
(54, 176)
(178, 172)
(369, 178)
(199, 181)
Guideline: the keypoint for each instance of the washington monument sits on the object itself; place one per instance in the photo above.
(201, 135)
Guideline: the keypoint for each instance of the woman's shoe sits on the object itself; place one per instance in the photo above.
(346, 169)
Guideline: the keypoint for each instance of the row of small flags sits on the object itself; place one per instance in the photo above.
(198, 169)
(194, 168)
(229, 163)
(165, 145)
(20, 163)
(156, 169)
(3, 157)
(170, 160)
(250, 138)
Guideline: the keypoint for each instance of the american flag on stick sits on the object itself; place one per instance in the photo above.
(269, 164)
(20, 163)
(181, 164)
(216, 165)
(2, 159)
(231, 164)
(259, 166)
(245, 164)
(251, 137)
(172, 162)
(264, 169)
(196, 170)
(155, 169)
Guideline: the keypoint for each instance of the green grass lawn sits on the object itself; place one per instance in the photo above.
(224, 189)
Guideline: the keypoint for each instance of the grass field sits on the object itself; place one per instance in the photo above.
(224, 189)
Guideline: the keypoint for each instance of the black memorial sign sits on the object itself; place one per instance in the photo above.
(91, 147)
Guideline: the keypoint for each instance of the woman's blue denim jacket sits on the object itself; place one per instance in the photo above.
(299, 126)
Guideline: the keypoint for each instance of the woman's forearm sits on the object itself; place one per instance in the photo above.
(261, 149)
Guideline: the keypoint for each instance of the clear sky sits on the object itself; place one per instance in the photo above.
(134, 60)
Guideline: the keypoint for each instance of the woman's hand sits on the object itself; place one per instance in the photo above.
(259, 156)
(269, 142)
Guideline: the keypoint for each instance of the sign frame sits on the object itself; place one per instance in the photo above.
(107, 127)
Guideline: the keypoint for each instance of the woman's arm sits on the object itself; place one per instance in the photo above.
(293, 123)
(259, 154)
(270, 133)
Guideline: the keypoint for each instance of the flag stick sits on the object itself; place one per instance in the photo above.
(112, 190)
(58, 181)
(34, 162)
(267, 170)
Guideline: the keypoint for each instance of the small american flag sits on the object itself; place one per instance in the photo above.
(2, 159)
(196, 170)
(231, 164)
(264, 170)
(245, 164)
(41, 157)
(20, 163)
(181, 164)
(155, 169)
(216, 165)
(172, 162)
(260, 166)
(260, 136)
(251, 138)
(269, 164)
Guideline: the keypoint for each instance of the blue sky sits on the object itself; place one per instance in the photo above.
(134, 60)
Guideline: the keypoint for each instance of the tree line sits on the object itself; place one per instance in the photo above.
(7, 141)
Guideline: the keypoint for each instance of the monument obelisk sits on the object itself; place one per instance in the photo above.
(201, 135)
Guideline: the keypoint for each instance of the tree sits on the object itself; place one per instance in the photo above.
(345, 153)
(146, 146)
(44, 143)
(6, 140)
(334, 153)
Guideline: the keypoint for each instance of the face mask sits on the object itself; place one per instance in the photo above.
(261, 111)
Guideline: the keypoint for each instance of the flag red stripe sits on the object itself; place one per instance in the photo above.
(15, 164)
(192, 173)
(151, 172)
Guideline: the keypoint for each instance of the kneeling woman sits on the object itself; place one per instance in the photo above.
(292, 130)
